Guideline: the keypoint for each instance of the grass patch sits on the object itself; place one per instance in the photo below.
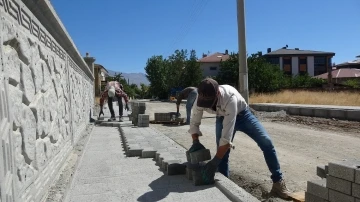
(308, 97)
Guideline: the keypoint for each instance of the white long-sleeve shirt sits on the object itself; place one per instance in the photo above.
(230, 103)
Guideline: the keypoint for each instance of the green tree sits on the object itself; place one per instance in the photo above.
(144, 91)
(262, 76)
(192, 74)
(229, 71)
(156, 71)
(175, 69)
(353, 83)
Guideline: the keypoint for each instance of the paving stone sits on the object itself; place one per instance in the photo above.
(199, 156)
(321, 171)
(148, 152)
(318, 188)
(312, 198)
(357, 175)
(164, 160)
(189, 174)
(176, 168)
(158, 153)
(197, 179)
(344, 169)
(356, 190)
(357, 200)
(133, 150)
(335, 196)
(338, 184)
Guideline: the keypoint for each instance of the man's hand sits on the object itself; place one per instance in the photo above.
(101, 112)
(196, 146)
(126, 107)
(177, 111)
(208, 171)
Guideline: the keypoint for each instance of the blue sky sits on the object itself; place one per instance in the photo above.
(123, 34)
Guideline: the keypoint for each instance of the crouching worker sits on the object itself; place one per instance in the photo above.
(114, 89)
(233, 114)
(190, 94)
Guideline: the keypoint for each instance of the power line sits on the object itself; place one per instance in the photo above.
(194, 8)
(197, 10)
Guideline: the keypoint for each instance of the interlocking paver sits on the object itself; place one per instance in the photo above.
(106, 174)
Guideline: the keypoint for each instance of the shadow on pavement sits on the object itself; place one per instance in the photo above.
(165, 185)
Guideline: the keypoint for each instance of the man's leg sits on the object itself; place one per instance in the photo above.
(250, 125)
(120, 106)
(110, 104)
(224, 165)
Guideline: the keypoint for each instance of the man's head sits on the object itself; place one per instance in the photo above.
(207, 90)
(111, 91)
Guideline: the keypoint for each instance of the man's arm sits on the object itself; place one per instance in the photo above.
(103, 97)
(228, 127)
(195, 121)
(179, 98)
(123, 94)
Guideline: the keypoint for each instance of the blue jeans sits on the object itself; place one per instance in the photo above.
(247, 123)
(189, 104)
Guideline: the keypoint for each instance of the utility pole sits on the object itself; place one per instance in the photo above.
(243, 70)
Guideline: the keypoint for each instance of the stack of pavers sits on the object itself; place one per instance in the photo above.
(162, 117)
(138, 116)
(143, 120)
(197, 157)
(149, 143)
(340, 183)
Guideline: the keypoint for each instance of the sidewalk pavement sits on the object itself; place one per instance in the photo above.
(105, 174)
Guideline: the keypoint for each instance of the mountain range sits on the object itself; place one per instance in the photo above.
(133, 78)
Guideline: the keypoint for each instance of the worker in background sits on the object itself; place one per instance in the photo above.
(233, 114)
(190, 94)
(112, 89)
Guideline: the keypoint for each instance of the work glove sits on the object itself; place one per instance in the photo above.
(196, 146)
(126, 107)
(208, 171)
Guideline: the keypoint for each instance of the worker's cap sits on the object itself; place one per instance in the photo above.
(207, 92)
(111, 91)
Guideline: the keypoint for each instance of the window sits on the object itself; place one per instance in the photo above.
(213, 68)
(319, 65)
(320, 60)
(287, 65)
(302, 65)
(274, 61)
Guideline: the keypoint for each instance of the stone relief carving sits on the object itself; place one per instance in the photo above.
(40, 93)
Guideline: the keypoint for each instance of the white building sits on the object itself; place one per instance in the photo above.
(296, 61)
(210, 64)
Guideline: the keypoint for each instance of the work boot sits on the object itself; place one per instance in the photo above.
(112, 119)
(280, 189)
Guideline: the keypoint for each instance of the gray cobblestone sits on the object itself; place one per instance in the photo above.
(338, 184)
(318, 188)
(335, 196)
(356, 190)
(343, 170)
(312, 198)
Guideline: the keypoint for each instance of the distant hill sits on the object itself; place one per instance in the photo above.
(134, 78)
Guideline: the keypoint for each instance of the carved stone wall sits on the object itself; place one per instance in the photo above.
(45, 101)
